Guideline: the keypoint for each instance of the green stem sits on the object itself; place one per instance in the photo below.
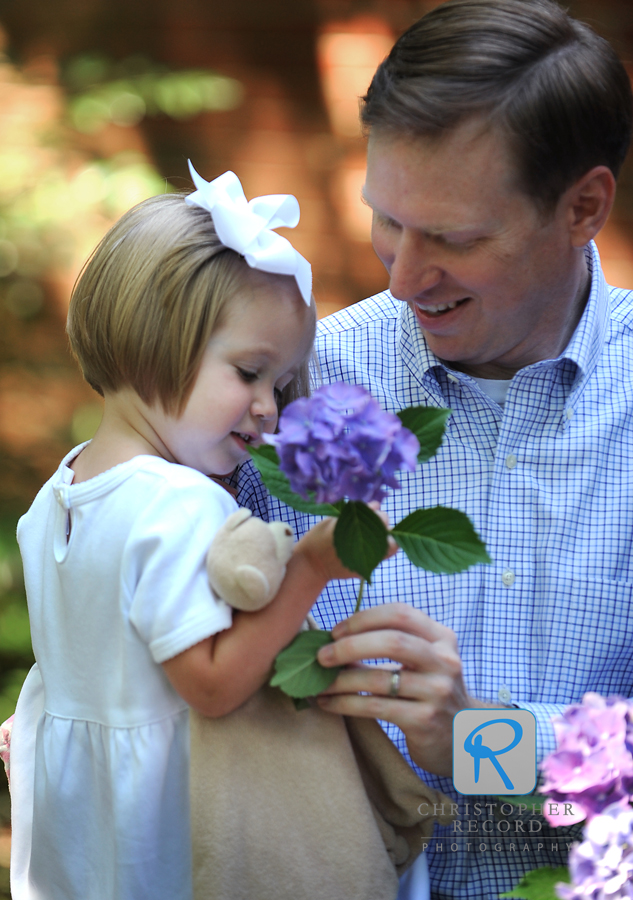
(360, 595)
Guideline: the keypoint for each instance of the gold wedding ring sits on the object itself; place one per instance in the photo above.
(394, 684)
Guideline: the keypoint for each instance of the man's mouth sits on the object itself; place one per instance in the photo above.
(435, 310)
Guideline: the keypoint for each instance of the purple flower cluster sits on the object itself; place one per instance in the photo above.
(601, 867)
(592, 769)
(340, 443)
(592, 766)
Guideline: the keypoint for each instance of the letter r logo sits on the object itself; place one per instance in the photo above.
(494, 751)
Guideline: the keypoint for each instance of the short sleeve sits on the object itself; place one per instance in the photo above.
(172, 605)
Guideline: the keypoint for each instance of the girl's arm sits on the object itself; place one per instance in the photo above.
(222, 672)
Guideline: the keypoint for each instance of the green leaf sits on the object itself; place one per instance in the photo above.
(297, 671)
(427, 423)
(267, 461)
(524, 800)
(360, 538)
(440, 540)
(539, 884)
(301, 703)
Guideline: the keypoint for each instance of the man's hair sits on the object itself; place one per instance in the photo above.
(148, 298)
(552, 86)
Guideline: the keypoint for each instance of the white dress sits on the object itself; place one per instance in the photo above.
(100, 747)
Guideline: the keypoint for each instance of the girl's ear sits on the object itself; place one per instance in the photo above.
(589, 203)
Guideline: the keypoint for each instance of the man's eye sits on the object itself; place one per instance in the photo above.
(247, 376)
(385, 221)
(457, 243)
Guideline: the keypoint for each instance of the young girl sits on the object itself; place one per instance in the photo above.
(193, 351)
(195, 347)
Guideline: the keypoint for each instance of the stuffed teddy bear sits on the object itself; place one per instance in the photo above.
(259, 774)
(247, 560)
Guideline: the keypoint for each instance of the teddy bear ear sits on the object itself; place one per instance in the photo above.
(254, 587)
(236, 519)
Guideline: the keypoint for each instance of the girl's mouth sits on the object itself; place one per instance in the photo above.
(242, 439)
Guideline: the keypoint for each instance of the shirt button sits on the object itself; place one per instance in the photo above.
(511, 460)
(508, 578)
(569, 413)
(453, 378)
(504, 695)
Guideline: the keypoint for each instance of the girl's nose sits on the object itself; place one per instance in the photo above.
(265, 404)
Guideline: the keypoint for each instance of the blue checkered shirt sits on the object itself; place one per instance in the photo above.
(547, 482)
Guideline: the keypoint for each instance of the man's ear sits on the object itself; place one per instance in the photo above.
(589, 203)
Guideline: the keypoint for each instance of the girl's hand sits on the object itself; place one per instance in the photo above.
(318, 548)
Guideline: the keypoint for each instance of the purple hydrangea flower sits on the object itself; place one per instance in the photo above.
(601, 867)
(340, 443)
(592, 766)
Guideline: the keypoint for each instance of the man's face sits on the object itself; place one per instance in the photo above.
(494, 285)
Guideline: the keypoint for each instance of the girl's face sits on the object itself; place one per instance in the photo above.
(265, 334)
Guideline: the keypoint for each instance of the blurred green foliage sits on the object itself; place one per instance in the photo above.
(86, 419)
(124, 92)
(16, 655)
(56, 202)
(41, 213)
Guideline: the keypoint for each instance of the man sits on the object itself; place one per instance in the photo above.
(496, 129)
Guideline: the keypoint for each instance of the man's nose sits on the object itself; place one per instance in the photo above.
(413, 270)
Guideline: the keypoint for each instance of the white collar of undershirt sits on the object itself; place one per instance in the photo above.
(495, 388)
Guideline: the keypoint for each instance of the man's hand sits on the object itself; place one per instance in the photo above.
(430, 689)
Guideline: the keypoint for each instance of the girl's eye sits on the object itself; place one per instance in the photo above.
(246, 375)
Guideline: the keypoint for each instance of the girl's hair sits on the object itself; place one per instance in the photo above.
(148, 298)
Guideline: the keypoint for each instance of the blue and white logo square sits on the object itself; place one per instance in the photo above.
(494, 751)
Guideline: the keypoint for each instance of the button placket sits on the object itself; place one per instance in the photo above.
(508, 577)
(504, 695)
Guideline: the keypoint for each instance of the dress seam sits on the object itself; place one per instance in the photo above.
(169, 715)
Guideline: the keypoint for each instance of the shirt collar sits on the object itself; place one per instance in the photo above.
(414, 350)
(583, 349)
(588, 339)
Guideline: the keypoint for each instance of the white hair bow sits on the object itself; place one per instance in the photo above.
(246, 226)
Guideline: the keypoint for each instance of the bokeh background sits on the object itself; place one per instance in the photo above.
(101, 104)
